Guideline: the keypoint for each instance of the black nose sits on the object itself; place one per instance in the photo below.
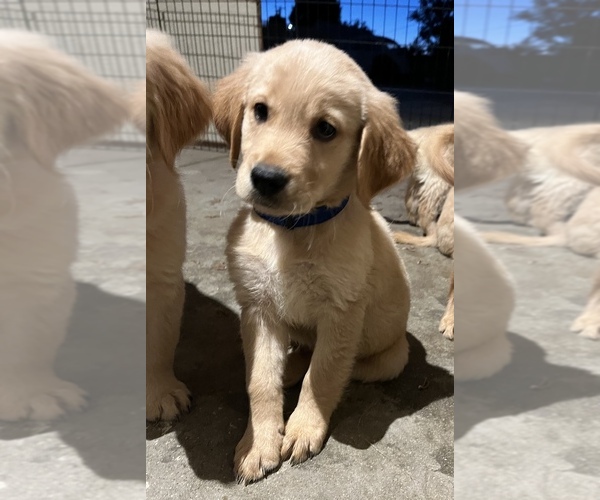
(267, 179)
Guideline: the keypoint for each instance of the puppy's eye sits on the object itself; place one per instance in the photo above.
(324, 131)
(261, 112)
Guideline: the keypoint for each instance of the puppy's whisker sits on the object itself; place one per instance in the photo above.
(223, 199)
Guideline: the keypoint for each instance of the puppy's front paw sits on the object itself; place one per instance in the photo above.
(257, 455)
(587, 325)
(43, 398)
(166, 398)
(447, 326)
(305, 435)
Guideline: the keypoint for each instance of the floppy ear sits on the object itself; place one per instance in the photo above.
(229, 101)
(387, 154)
(49, 102)
(178, 106)
(440, 152)
(484, 152)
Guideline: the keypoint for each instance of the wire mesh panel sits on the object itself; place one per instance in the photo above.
(106, 36)
(405, 48)
(538, 61)
(212, 35)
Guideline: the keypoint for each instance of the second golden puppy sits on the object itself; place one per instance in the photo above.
(313, 141)
(177, 110)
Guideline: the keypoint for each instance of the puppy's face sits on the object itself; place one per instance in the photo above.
(298, 118)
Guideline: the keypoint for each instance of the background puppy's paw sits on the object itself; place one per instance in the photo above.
(305, 434)
(256, 456)
(166, 399)
(43, 398)
(587, 325)
(447, 326)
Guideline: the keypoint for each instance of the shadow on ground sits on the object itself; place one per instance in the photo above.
(210, 361)
(104, 354)
(527, 383)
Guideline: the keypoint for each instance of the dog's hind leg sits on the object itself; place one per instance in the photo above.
(384, 365)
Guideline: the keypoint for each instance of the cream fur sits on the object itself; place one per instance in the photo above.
(49, 103)
(429, 187)
(339, 288)
(484, 296)
(178, 109)
(558, 193)
(484, 152)
(430, 201)
(484, 301)
(548, 194)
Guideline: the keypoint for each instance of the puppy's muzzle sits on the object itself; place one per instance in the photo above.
(268, 180)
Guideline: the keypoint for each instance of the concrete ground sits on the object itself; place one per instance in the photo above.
(533, 430)
(388, 440)
(97, 454)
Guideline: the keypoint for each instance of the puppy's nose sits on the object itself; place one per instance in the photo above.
(267, 179)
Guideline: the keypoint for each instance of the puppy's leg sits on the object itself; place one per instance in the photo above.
(33, 325)
(447, 322)
(385, 365)
(588, 323)
(338, 338)
(166, 396)
(265, 346)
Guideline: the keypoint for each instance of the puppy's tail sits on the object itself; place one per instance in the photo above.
(440, 154)
(555, 240)
(568, 153)
(419, 241)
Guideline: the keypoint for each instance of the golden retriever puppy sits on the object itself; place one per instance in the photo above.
(429, 195)
(313, 141)
(554, 193)
(484, 298)
(49, 103)
(559, 193)
(430, 201)
(178, 109)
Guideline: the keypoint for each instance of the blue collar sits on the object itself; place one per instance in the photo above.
(317, 216)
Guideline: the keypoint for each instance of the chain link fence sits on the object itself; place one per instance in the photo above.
(405, 47)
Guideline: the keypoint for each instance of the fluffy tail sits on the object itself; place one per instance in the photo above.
(555, 240)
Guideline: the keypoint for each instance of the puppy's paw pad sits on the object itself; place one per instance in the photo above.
(167, 400)
(44, 399)
(254, 458)
(304, 438)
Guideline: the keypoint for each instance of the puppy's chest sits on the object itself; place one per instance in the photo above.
(298, 290)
